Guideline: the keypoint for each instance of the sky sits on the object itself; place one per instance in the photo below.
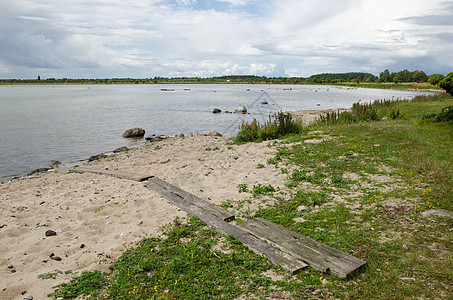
(206, 38)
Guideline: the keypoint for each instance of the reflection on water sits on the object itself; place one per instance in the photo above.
(39, 124)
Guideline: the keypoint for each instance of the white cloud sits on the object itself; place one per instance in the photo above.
(184, 38)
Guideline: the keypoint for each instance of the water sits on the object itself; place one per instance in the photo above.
(39, 124)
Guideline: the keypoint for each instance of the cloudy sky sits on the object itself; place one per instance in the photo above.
(174, 38)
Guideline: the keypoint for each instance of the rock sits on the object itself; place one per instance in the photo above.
(54, 257)
(155, 139)
(121, 149)
(134, 132)
(197, 134)
(38, 171)
(437, 213)
(50, 233)
(216, 111)
(240, 110)
(28, 297)
(97, 156)
(181, 135)
(214, 133)
(264, 102)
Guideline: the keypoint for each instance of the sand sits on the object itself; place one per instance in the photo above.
(97, 217)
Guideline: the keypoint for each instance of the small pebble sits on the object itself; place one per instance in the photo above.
(50, 233)
(28, 297)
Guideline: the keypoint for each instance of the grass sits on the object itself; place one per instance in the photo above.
(360, 187)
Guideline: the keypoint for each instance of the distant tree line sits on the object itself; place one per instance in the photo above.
(404, 76)
(408, 76)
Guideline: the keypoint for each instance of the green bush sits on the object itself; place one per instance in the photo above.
(445, 115)
(280, 126)
(447, 83)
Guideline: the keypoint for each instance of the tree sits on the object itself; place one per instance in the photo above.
(385, 76)
(435, 78)
(419, 76)
(447, 83)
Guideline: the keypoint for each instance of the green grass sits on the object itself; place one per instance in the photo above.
(360, 190)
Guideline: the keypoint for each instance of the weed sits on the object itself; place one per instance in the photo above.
(49, 275)
(243, 188)
(260, 166)
(260, 189)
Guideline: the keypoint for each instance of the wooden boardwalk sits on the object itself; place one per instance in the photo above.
(318, 255)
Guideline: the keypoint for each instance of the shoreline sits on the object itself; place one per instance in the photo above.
(306, 117)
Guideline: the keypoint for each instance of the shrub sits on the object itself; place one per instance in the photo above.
(445, 115)
(447, 83)
(281, 125)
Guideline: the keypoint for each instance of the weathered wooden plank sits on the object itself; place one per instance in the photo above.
(119, 174)
(209, 207)
(318, 255)
(278, 257)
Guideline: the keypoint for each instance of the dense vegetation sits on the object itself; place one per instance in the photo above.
(359, 185)
(281, 125)
(447, 83)
(355, 78)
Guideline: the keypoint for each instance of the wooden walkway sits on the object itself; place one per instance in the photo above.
(319, 256)
(281, 246)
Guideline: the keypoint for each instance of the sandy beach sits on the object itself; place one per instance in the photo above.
(96, 217)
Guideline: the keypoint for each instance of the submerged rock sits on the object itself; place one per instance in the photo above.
(216, 111)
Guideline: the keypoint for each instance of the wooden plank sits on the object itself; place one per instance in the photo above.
(278, 257)
(209, 207)
(119, 174)
(318, 255)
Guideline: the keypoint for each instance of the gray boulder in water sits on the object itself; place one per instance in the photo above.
(134, 132)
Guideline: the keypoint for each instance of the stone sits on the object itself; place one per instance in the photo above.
(28, 297)
(216, 111)
(214, 133)
(437, 213)
(121, 149)
(50, 233)
(97, 156)
(240, 110)
(134, 132)
(264, 102)
(38, 171)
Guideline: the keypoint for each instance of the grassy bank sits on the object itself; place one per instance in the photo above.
(358, 186)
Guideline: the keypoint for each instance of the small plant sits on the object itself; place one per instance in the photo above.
(212, 149)
(260, 166)
(243, 188)
(157, 148)
(48, 275)
(260, 189)
(395, 113)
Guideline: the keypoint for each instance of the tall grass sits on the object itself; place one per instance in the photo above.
(281, 125)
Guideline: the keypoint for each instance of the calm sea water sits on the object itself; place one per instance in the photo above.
(39, 124)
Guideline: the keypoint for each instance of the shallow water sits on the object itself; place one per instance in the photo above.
(39, 124)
